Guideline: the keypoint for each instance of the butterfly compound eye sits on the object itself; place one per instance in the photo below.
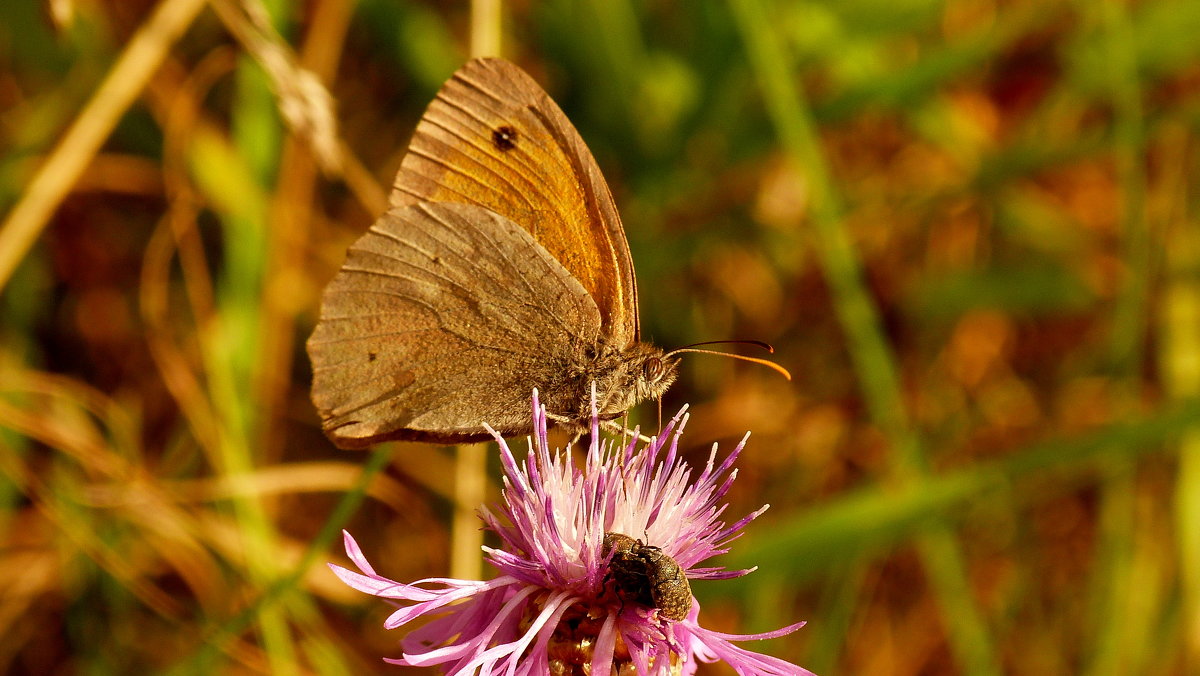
(652, 368)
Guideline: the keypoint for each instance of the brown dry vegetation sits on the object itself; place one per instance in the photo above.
(968, 228)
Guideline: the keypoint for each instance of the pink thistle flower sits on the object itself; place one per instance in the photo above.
(565, 604)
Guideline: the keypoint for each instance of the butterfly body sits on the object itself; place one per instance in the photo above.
(623, 377)
(500, 267)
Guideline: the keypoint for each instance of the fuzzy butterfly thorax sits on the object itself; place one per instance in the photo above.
(623, 377)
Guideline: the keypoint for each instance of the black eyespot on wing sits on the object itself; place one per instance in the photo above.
(371, 356)
(504, 138)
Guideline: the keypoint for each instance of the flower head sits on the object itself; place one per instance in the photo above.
(594, 567)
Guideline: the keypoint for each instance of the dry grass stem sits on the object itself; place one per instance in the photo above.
(304, 103)
(138, 61)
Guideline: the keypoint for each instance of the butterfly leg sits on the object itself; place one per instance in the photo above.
(610, 425)
(614, 426)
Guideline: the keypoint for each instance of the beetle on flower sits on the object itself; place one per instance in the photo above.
(569, 600)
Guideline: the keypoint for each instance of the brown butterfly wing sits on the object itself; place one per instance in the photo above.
(442, 318)
(492, 137)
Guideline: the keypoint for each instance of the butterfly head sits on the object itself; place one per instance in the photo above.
(642, 372)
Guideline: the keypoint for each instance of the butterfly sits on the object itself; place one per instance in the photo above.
(500, 266)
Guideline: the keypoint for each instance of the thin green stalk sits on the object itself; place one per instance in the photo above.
(1187, 513)
(1129, 315)
(1121, 640)
(1181, 377)
(842, 595)
(790, 113)
(218, 636)
(873, 359)
(876, 518)
(232, 349)
(66, 163)
(622, 50)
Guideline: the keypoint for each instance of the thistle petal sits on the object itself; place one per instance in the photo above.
(554, 600)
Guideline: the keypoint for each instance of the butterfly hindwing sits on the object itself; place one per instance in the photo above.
(435, 302)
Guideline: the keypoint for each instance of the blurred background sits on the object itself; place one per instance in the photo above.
(968, 228)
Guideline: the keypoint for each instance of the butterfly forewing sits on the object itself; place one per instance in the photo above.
(493, 138)
(443, 317)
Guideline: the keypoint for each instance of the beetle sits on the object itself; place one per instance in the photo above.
(645, 574)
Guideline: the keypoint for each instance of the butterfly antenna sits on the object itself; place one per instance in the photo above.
(766, 346)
